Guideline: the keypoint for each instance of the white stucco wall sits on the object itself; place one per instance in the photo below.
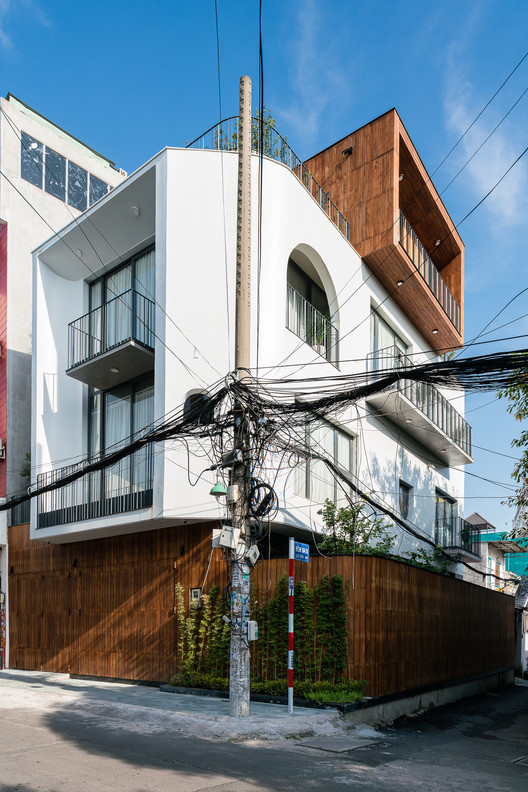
(32, 216)
(195, 234)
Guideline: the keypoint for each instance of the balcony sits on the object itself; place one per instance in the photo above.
(311, 326)
(456, 534)
(421, 410)
(114, 342)
(422, 261)
(125, 486)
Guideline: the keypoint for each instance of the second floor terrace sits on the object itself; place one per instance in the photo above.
(421, 410)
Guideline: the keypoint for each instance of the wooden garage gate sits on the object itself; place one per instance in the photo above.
(106, 608)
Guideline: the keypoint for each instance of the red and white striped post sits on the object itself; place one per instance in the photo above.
(290, 626)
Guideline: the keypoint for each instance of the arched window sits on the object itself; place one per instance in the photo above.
(197, 407)
(308, 313)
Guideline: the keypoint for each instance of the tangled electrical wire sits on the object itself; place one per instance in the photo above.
(273, 416)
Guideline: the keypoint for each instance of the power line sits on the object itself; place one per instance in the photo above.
(415, 271)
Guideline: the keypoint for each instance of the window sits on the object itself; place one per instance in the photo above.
(490, 571)
(127, 294)
(308, 313)
(77, 187)
(116, 417)
(198, 408)
(405, 499)
(49, 170)
(31, 160)
(387, 347)
(317, 482)
(445, 524)
(498, 574)
(98, 188)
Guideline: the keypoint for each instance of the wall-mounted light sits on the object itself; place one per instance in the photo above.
(400, 177)
(135, 211)
(78, 252)
(438, 242)
(435, 331)
(219, 491)
(114, 370)
(400, 283)
(346, 152)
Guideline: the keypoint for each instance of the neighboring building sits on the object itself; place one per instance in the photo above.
(48, 178)
(131, 320)
(499, 554)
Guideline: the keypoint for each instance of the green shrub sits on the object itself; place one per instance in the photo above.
(321, 692)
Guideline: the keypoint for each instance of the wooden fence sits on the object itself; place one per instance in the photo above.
(106, 607)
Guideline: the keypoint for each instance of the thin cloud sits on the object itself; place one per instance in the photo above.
(314, 74)
(8, 11)
(508, 203)
(5, 40)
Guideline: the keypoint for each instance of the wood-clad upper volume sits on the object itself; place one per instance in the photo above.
(398, 224)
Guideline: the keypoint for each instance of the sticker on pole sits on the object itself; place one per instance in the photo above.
(301, 552)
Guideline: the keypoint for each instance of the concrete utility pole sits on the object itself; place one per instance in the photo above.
(239, 649)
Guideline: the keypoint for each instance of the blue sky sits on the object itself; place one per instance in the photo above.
(129, 78)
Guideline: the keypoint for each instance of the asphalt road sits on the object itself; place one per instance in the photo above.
(471, 746)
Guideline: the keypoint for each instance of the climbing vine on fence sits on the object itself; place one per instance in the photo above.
(320, 640)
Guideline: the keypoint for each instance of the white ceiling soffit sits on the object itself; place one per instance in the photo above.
(111, 229)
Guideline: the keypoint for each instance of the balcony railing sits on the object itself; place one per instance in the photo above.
(128, 317)
(454, 533)
(224, 137)
(424, 396)
(311, 325)
(124, 486)
(421, 260)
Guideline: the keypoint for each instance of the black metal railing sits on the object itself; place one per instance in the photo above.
(454, 533)
(422, 261)
(124, 486)
(128, 317)
(310, 325)
(424, 396)
(224, 137)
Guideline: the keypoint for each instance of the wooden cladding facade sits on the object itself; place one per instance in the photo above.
(373, 174)
(106, 608)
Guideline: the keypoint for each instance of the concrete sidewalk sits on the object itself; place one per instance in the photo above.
(147, 708)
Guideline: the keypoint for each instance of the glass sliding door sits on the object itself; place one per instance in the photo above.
(118, 306)
(143, 415)
(144, 285)
(117, 431)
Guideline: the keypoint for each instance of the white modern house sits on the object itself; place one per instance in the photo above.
(134, 315)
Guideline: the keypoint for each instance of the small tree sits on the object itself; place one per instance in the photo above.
(350, 530)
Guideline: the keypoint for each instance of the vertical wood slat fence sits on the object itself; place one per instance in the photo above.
(106, 607)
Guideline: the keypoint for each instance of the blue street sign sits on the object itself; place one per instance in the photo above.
(301, 552)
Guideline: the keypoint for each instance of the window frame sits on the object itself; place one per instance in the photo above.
(405, 490)
(306, 483)
(44, 149)
(135, 386)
